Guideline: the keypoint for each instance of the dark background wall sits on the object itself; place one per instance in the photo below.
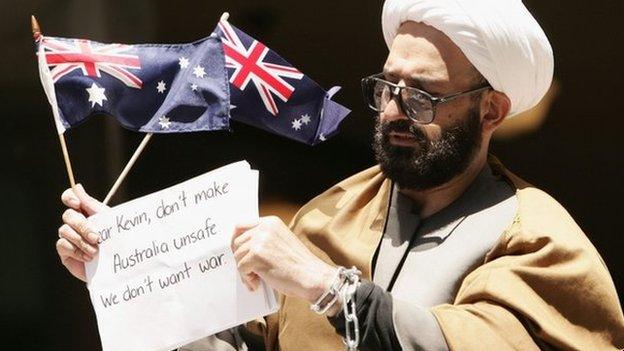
(577, 155)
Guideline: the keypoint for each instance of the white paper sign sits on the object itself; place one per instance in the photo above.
(165, 274)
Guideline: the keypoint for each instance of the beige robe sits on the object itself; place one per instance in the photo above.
(542, 279)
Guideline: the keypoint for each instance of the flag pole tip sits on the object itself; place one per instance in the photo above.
(34, 25)
(225, 16)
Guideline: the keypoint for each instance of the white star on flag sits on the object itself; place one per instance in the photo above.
(296, 124)
(96, 95)
(305, 119)
(164, 122)
(184, 62)
(199, 72)
(321, 137)
(194, 87)
(161, 87)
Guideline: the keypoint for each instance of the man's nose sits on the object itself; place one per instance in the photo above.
(393, 111)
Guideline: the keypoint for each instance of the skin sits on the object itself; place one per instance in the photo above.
(77, 242)
(425, 58)
(420, 56)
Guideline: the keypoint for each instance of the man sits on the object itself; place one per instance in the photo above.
(455, 251)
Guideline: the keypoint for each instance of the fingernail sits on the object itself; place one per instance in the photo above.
(92, 250)
(93, 238)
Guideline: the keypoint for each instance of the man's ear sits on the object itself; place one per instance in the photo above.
(495, 107)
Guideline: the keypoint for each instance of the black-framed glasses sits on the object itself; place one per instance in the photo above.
(418, 105)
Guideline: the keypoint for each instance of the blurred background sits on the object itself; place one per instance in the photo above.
(571, 145)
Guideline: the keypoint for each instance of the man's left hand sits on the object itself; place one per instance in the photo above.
(268, 250)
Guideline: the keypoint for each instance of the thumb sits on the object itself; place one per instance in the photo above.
(88, 204)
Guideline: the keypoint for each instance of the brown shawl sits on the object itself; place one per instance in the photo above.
(542, 282)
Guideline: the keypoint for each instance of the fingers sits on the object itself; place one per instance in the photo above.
(241, 228)
(242, 233)
(240, 240)
(77, 243)
(88, 204)
(66, 249)
(86, 249)
(245, 257)
(246, 261)
(253, 281)
(79, 223)
(71, 259)
(241, 251)
(81, 201)
(70, 200)
(249, 278)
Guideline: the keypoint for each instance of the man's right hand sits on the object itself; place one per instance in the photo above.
(77, 242)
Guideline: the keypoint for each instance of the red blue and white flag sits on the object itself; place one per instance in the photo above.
(158, 88)
(170, 88)
(269, 93)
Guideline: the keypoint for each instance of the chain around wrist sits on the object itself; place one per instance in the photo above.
(344, 277)
(343, 287)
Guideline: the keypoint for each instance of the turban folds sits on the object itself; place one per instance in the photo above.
(499, 37)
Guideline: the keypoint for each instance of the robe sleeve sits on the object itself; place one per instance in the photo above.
(373, 308)
(543, 286)
(387, 323)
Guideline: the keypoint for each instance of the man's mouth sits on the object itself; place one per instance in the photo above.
(401, 139)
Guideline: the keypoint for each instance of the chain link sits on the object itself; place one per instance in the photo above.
(344, 286)
(352, 327)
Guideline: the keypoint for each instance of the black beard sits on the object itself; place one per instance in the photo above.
(430, 163)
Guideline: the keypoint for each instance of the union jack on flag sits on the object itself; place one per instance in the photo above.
(65, 57)
(157, 88)
(249, 66)
(303, 111)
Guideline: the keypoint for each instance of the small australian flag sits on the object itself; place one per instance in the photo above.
(157, 88)
(269, 93)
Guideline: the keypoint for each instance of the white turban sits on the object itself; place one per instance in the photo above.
(499, 37)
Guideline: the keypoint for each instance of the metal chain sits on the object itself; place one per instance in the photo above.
(329, 298)
(352, 328)
(344, 286)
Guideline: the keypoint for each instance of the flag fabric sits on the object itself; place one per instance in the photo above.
(158, 88)
(170, 88)
(269, 93)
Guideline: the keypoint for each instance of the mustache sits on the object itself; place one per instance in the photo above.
(402, 126)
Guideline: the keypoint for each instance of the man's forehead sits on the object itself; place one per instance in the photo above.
(418, 73)
(423, 53)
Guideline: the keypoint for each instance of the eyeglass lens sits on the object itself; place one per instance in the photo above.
(416, 105)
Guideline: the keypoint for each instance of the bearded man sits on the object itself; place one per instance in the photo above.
(455, 252)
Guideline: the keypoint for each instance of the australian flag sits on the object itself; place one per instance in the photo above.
(154, 88)
(269, 93)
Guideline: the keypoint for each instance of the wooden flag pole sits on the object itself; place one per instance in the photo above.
(128, 166)
(36, 31)
(68, 166)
